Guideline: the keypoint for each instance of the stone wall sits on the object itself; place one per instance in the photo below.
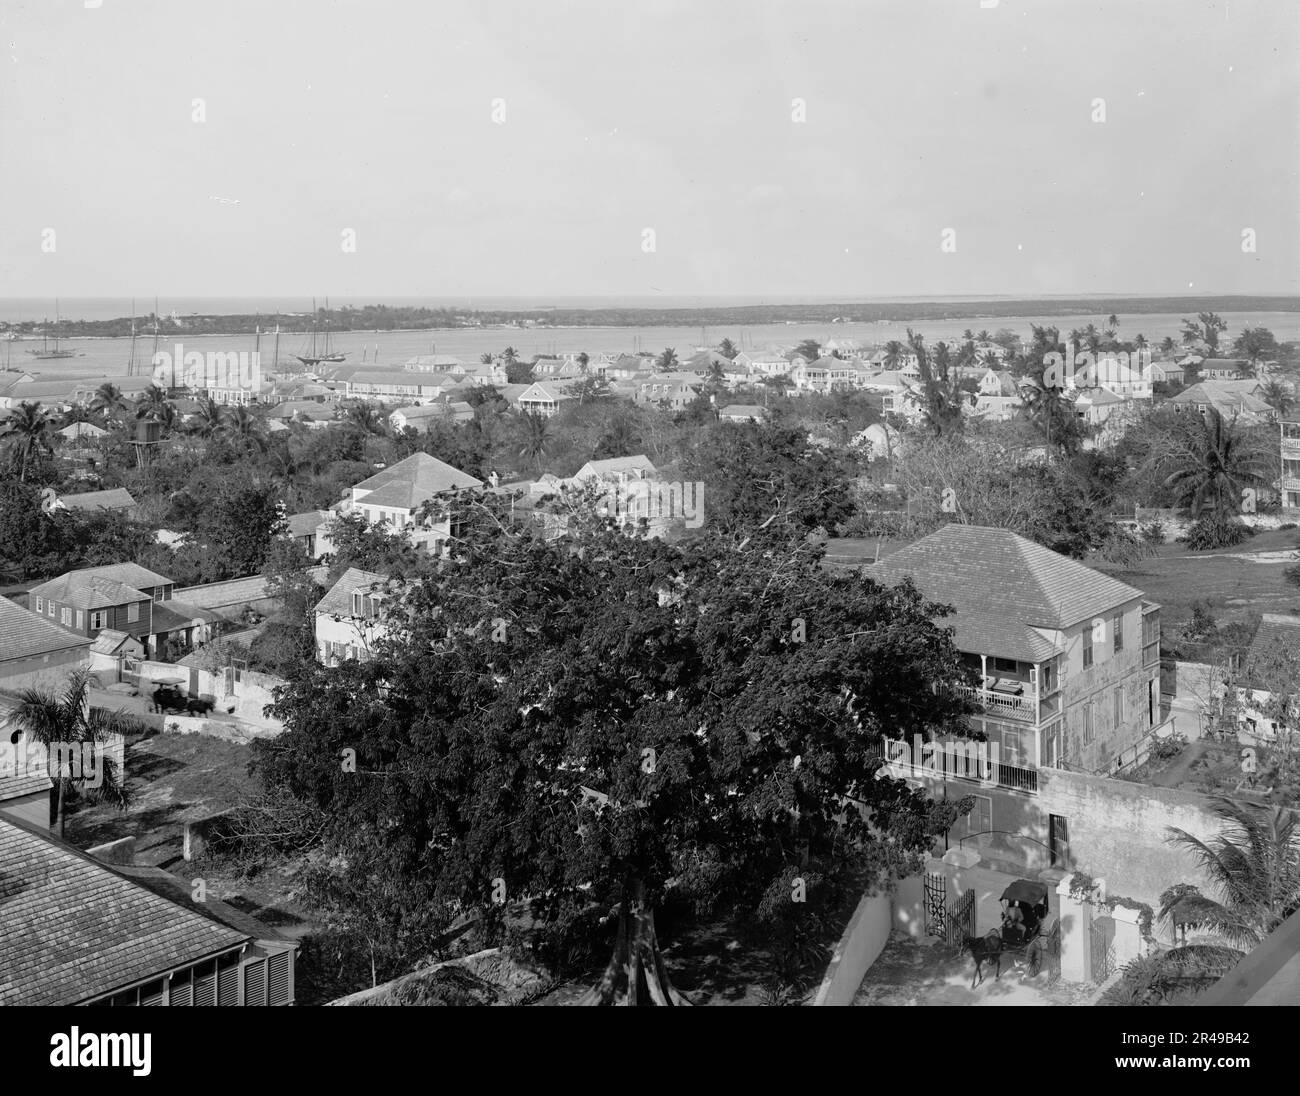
(863, 941)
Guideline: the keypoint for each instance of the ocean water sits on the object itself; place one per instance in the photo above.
(110, 357)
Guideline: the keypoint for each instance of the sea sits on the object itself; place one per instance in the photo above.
(110, 357)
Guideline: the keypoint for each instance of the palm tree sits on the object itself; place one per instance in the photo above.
(243, 427)
(1212, 461)
(1278, 397)
(1112, 322)
(1053, 411)
(109, 401)
(367, 419)
(69, 721)
(28, 429)
(894, 354)
(1140, 341)
(151, 401)
(508, 355)
(1167, 345)
(727, 348)
(1254, 864)
(209, 419)
(485, 359)
(668, 359)
(535, 435)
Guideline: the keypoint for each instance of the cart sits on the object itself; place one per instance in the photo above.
(1026, 923)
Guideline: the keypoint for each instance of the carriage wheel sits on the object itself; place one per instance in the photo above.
(1035, 958)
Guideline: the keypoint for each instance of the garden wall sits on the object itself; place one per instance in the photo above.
(863, 941)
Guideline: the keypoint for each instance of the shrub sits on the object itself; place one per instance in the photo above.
(1292, 574)
(1154, 532)
(1216, 531)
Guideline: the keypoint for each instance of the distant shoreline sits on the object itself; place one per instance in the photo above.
(408, 319)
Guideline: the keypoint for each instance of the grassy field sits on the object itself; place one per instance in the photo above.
(1235, 585)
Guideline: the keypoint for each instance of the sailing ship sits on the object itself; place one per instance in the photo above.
(47, 352)
(318, 348)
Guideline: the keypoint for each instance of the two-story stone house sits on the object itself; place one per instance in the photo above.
(1067, 659)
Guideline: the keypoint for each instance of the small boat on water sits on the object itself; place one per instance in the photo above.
(46, 352)
(318, 348)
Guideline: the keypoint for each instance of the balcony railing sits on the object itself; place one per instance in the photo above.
(1291, 445)
(1290, 483)
(1003, 704)
(981, 770)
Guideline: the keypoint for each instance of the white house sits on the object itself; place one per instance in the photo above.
(349, 618)
(394, 496)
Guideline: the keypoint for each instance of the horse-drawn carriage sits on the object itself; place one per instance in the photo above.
(1027, 929)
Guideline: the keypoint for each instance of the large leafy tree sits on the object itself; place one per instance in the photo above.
(767, 473)
(1255, 344)
(236, 526)
(1202, 333)
(594, 721)
(942, 395)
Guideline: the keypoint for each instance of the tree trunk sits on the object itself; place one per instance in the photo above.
(636, 974)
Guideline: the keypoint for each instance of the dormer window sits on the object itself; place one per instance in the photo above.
(364, 605)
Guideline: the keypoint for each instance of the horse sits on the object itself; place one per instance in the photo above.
(982, 949)
(167, 699)
(198, 705)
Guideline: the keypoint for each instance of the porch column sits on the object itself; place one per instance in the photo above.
(1076, 935)
(984, 670)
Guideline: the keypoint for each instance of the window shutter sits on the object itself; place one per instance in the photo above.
(255, 982)
(205, 989)
(182, 990)
(278, 979)
(152, 994)
(228, 985)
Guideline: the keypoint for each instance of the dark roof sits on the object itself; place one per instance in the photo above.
(1003, 587)
(72, 928)
(1025, 890)
(1276, 630)
(306, 523)
(26, 634)
(168, 616)
(178, 890)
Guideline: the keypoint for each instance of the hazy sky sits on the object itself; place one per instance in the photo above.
(377, 116)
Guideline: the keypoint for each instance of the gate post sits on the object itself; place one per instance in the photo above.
(1076, 936)
(1128, 937)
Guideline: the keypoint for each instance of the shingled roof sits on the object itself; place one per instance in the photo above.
(26, 634)
(338, 600)
(1004, 588)
(96, 587)
(72, 928)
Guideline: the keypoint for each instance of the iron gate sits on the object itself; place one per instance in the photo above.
(1103, 952)
(936, 905)
(961, 920)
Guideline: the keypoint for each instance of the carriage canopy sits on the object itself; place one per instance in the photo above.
(1026, 892)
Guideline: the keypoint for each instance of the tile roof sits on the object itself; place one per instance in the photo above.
(614, 465)
(1003, 587)
(338, 599)
(72, 928)
(170, 616)
(23, 633)
(412, 481)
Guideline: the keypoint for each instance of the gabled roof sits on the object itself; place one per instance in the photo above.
(23, 633)
(411, 481)
(403, 377)
(72, 928)
(338, 599)
(110, 641)
(1002, 587)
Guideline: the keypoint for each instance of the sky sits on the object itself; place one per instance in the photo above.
(466, 147)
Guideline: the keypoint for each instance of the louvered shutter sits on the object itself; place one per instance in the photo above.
(205, 988)
(255, 982)
(182, 990)
(152, 994)
(228, 985)
(278, 979)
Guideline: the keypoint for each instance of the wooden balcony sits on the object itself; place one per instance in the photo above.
(949, 767)
(1000, 702)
